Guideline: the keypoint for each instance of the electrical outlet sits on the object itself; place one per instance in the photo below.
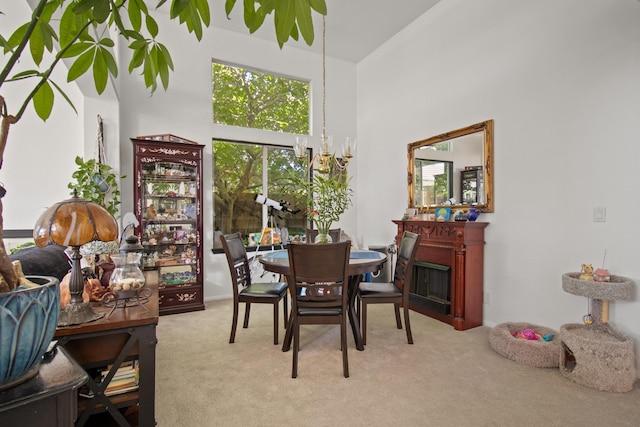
(487, 298)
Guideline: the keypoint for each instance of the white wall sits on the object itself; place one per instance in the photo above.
(186, 110)
(560, 79)
(39, 157)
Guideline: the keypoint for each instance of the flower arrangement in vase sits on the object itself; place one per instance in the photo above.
(328, 195)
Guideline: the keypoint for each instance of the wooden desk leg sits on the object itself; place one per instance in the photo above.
(147, 398)
(354, 282)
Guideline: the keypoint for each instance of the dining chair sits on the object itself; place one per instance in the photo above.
(333, 232)
(396, 292)
(318, 284)
(245, 291)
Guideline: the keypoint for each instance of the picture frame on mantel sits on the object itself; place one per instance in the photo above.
(443, 214)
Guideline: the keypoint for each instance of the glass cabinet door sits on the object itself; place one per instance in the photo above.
(169, 232)
(168, 198)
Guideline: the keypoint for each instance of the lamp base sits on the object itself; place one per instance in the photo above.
(77, 313)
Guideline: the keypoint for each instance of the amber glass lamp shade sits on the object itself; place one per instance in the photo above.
(74, 222)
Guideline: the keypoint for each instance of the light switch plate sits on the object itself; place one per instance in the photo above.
(600, 214)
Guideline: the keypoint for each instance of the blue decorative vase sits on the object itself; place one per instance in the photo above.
(28, 321)
(473, 213)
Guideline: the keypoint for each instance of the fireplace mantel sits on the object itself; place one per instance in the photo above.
(460, 246)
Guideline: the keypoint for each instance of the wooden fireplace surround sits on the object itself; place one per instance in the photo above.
(459, 245)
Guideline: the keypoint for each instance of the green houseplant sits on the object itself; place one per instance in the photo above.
(96, 182)
(81, 37)
(79, 31)
(327, 196)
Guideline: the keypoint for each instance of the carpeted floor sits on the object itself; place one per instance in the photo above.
(446, 378)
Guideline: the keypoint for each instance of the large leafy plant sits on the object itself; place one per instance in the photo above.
(79, 32)
(291, 17)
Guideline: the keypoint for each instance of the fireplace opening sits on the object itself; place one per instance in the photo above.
(431, 286)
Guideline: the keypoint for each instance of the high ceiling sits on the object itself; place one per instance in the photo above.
(355, 28)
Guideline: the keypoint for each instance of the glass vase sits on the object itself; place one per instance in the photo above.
(323, 235)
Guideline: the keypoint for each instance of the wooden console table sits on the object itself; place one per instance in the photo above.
(459, 246)
(127, 334)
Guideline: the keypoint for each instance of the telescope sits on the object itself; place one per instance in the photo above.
(263, 200)
(279, 206)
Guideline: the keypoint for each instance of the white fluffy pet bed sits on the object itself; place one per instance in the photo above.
(539, 354)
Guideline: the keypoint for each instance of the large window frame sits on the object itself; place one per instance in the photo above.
(268, 170)
(259, 99)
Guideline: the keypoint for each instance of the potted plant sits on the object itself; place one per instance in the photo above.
(327, 196)
(80, 36)
(96, 182)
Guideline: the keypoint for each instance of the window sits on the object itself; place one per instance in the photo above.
(259, 100)
(435, 179)
(243, 170)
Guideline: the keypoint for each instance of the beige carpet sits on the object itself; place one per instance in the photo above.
(447, 378)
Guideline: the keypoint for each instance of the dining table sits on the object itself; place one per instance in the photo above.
(361, 262)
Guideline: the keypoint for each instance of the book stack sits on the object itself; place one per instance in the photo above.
(124, 380)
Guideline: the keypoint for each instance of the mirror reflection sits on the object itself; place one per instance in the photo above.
(454, 168)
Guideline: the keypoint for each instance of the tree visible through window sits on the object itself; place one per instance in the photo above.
(258, 100)
(242, 171)
(434, 181)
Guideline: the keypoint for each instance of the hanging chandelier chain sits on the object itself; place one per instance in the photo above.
(100, 153)
(325, 159)
(324, 77)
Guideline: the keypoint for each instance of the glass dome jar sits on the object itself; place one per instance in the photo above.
(127, 278)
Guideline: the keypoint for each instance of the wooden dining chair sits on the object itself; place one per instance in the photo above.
(396, 292)
(245, 291)
(318, 283)
(335, 234)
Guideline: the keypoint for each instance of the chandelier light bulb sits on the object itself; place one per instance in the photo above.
(349, 147)
(300, 146)
(327, 143)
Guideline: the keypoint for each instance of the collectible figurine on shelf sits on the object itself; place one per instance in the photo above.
(151, 212)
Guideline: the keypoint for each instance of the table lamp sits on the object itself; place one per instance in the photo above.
(74, 222)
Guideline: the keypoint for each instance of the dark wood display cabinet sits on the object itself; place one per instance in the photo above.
(448, 271)
(168, 206)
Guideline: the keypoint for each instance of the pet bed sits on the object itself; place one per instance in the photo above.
(536, 353)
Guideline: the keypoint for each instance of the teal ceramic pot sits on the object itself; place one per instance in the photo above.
(28, 321)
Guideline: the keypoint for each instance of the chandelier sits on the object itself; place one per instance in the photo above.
(325, 159)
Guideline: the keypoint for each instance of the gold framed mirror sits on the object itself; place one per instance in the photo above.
(453, 165)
